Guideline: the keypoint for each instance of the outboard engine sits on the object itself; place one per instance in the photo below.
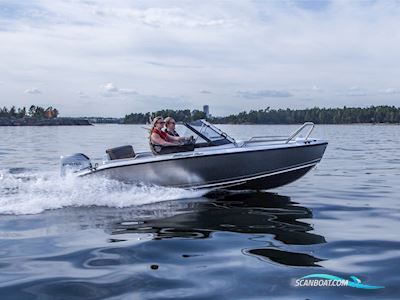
(74, 163)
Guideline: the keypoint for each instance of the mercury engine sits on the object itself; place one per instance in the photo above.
(74, 163)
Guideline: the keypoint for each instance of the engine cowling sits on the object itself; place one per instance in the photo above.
(74, 163)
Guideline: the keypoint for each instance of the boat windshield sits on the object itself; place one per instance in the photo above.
(208, 134)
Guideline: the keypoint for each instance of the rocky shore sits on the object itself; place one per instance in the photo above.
(7, 121)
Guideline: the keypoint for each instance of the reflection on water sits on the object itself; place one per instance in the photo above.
(253, 213)
(155, 250)
(286, 257)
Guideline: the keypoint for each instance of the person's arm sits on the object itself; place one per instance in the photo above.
(177, 138)
(158, 140)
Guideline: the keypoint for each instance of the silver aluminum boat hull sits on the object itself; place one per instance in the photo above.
(255, 167)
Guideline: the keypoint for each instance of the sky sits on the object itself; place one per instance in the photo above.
(110, 58)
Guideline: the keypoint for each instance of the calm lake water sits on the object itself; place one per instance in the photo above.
(98, 239)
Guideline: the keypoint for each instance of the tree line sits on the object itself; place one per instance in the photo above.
(36, 112)
(185, 115)
(345, 115)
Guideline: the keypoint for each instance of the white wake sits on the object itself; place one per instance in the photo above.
(32, 193)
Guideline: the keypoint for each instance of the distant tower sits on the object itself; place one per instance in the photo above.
(206, 111)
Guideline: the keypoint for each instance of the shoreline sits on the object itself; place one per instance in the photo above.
(13, 122)
(66, 121)
(263, 124)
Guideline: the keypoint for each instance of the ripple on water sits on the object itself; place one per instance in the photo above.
(103, 239)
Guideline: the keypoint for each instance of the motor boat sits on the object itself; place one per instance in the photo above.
(212, 159)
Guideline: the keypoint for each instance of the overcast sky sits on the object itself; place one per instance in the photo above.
(109, 58)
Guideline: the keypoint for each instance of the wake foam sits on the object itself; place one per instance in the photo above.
(31, 193)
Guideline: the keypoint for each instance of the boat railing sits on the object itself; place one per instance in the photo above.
(265, 138)
(272, 138)
(300, 129)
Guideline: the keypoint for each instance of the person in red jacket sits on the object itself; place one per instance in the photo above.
(161, 138)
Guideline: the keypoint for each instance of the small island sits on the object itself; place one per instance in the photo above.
(36, 116)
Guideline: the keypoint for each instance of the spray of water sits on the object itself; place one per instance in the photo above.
(32, 193)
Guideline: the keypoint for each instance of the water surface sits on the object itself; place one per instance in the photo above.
(99, 239)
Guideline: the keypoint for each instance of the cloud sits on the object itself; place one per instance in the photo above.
(82, 95)
(160, 17)
(390, 91)
(315, 88)
(164, 102)
(205, 92)
(159, 101)
(307, 89)
(33, 91)
(264, 94)
(165, 65)
(180, 47)
(109, 90)
(355, 91)
(110, 87)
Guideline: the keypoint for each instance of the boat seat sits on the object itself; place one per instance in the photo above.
(121, 152)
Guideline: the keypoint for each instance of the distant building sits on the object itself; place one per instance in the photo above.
(206, 111)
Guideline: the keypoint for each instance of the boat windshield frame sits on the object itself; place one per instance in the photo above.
(223, 137)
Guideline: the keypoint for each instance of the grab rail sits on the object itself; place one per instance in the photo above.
(263, 138)
(300, 129)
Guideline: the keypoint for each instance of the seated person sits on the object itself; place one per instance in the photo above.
(160, 138)
(170, 126)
